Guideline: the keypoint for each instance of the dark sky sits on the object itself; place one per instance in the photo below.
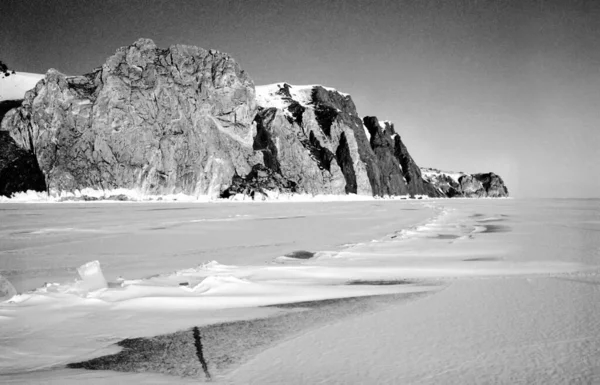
(506, 86)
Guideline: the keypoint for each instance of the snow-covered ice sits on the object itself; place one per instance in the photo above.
(508, 287)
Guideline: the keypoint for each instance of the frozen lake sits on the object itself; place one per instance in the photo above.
(436, 291)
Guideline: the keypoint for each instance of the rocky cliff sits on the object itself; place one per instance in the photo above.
(188, 120)
(159, 120)
(466, 185)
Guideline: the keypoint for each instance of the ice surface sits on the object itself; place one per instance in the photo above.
(512, 285)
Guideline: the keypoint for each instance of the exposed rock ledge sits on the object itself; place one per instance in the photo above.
(458, 184)
(187, 120)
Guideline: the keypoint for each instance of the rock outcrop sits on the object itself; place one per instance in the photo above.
(19, 170)
(466, 185)
(394, 156)
(259, 183)
(483, 185)
(177, 120)
(187, 120)
(313, 136)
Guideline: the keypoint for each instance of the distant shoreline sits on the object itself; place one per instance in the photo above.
(133, 196)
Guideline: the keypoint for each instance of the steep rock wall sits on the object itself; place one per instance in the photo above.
(312, 133)
(162, 121)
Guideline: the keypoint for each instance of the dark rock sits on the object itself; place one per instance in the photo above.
(471, 187)
(493, 185)
(448, 186)
(323, 156)
(392, 180)
(293, 143)
(482, 185)
(19, 169)
(400, 174)
(321, 141)
(412, 172)
(300, 254)
(344, 159)
(336, 115)
(7, 105)
(263, 141)
(258, 183)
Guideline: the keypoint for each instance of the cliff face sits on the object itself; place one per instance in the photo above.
(392, 151)
(163, 121)
(188, 120)
(313, 136)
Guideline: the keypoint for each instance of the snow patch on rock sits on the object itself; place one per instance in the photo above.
(275, 95)
(14, 86)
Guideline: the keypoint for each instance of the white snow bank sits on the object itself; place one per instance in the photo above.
(16, 85)
(127, 195)
(51, 326)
